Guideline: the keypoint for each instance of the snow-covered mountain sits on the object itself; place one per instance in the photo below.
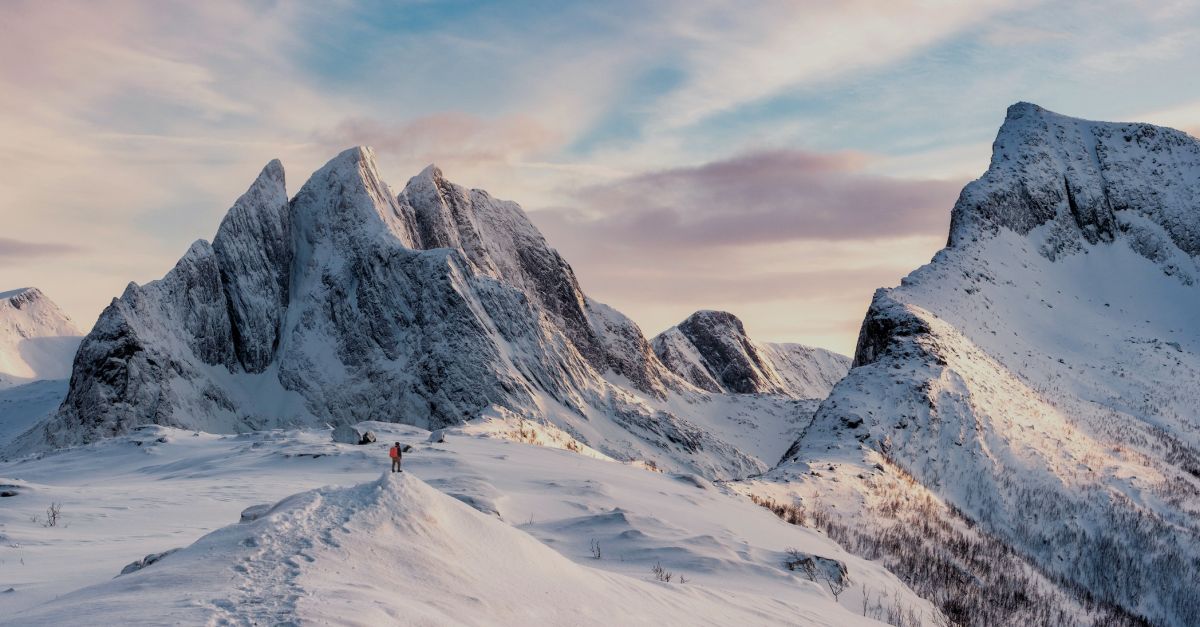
(428, 307)
(712, 351)
(1033, 389)
(37, 340)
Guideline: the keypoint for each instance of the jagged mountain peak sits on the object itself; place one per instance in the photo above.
(198, 249)
(348, 200)
(348, 303)
(21, 295)
(269, 189)
(1073, 182)
(710, 350)
(430, 172)
(498, 240)
(1051, 342)
(718, 319)
(254, 249)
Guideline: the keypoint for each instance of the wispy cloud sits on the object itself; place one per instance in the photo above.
(763, 197)
(140, 122)
(17, 249)
(809, 233)
(450, 139)
(736, 54)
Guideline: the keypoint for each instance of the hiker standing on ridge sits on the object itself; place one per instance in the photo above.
(395, 454)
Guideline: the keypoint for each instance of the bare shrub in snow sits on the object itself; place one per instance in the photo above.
(795, 559)
(794, 514)
(801, 561)
(525, 433)
(837, 585)
(53, 515)
(660, 573)
(973, 577)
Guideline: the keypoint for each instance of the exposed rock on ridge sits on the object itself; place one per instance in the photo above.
(710, 349)
(1088, 181)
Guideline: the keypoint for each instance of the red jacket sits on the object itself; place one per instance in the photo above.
(394, 452)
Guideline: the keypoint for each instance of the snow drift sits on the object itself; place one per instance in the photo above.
(397, 551)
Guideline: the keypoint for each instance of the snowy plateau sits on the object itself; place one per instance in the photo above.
(1014, 442)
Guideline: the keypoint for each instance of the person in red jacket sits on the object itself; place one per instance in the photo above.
(395, 454)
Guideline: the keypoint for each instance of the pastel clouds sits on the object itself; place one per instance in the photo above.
(16, 248)
(447, 136)
(808, 233)
(741, 53)
(778, 158)
(763, 197)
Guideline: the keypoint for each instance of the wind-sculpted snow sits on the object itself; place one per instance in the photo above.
(476, 531)
(1041, 374)
(37, 340)
(428, 307)
(712, 351)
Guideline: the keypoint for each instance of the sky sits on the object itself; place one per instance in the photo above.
(779, 160)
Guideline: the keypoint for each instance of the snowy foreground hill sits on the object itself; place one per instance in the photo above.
(479, 530)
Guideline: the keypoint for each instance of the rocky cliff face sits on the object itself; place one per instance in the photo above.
(37, 340)
(712, 351)
(253, 250)
(1087, 182)
(499, 241)
(1039, 374)
(348, 302)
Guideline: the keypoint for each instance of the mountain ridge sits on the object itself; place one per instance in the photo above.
(1037, 375)
(431, 306)
(711, 350)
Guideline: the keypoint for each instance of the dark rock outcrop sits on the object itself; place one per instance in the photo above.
(712, 351)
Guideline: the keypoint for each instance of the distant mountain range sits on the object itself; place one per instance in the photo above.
(431, 307)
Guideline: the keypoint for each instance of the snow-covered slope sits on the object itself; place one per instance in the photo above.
(37, 340)
(428, 307)
(712, 351)
(548, 533)
(394, 551)
(1040, 376)
(23, 406)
